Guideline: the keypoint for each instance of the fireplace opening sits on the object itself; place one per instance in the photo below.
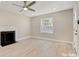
(7, 37)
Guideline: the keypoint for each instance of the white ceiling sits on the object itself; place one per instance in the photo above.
(41, 7)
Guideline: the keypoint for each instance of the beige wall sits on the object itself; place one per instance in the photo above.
(24, 26)
(17, 22)
(63, 26)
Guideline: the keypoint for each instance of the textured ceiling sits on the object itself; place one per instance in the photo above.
(41, 7)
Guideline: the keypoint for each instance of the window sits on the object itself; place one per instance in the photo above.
(46, 25)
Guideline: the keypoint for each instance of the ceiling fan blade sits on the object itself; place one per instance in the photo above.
(18, 5)
(31, 9)
(25, 2)
(31, 4)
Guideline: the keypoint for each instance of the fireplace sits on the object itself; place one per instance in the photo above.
(7, 37)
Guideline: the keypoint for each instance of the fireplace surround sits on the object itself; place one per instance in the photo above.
(7, 37)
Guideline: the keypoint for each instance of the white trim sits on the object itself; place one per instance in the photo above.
(27, 37)
(43, 38)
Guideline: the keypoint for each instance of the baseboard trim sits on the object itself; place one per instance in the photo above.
(43, 38)
(23, 38)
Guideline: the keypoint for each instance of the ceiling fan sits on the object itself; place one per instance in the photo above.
(25, 6)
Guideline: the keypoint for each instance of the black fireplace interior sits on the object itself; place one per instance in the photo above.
(7, 37)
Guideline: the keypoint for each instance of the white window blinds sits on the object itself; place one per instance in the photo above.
(46, 25)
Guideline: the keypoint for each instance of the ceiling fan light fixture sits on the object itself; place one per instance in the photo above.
(26, 6)
(25, 9)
